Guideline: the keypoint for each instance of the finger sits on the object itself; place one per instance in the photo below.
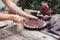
(23, 20)
(36, 18)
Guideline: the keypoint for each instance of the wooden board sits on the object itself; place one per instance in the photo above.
(11, 33)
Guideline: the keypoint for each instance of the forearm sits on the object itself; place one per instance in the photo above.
(5, 16)
(14, 8)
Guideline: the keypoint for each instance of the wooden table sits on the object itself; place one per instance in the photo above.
(15, 31)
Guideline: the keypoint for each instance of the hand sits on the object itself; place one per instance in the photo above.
(17, 19)
(31, 17)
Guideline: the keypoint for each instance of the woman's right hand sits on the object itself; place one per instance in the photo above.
(17, 19)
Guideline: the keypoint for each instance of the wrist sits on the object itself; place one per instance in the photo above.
(11, 17)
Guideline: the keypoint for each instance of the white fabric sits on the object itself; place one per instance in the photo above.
(1, 3)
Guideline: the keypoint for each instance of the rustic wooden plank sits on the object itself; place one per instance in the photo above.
(4, 34)
(8, 38)
(24, 34)
(17, 37)
(50, 34)
(9, 33)
(35, 35)
(12, 36)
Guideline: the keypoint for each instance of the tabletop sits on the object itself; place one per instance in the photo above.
(14, 31)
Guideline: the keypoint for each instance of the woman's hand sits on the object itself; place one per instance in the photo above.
(31, 17)
(17, 19)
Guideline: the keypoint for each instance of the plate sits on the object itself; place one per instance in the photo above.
(35, 27)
